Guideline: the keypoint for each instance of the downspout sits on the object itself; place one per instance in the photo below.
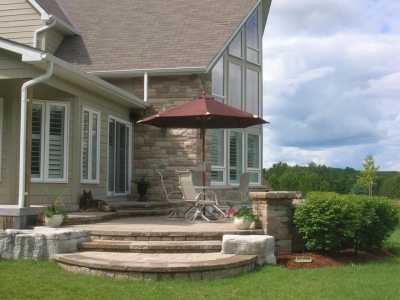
(22, 142)
(37, 31)
(146, 87)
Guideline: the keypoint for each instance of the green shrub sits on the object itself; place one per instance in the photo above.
(327, 220)
(379, 220)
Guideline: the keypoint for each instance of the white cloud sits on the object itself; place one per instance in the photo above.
(331, 90)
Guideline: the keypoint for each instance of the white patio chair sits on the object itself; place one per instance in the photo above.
(196, 199)
(175, 203)
(240, 195)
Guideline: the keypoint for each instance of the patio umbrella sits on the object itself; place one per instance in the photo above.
(203, 113)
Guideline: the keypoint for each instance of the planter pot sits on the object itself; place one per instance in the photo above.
(241, 223)
(142, 190)
(54, 221)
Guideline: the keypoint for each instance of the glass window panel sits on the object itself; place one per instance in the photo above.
(235, 156)
(252, 92)
(94, 144)
(85, 145)
(255, 177)
(235, 85)
(252, 32)
(118, 157)
(253, 151)
(111, 155)
(217, 148)
(253, 55)
(36, 153)
(218, 78)
(56, 142)
(235, 48)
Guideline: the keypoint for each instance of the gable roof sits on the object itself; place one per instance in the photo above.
(151, 34)
(72, 74)
(54, 8)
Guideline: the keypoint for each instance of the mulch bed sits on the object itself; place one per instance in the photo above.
(338, 258)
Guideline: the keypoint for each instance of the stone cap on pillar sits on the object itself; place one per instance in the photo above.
(275, 195)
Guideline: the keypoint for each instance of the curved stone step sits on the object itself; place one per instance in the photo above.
(163, 266)
(83, 217)
(151, 246)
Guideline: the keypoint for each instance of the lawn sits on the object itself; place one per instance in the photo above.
(45, 280)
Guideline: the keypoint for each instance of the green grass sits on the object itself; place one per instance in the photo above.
(45, 280)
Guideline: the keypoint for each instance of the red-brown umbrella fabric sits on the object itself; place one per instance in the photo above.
(203, 113)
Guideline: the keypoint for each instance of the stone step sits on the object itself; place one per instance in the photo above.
(166, 235)
(127, 205)
(77, 217)
(151, 246)
(157, 266)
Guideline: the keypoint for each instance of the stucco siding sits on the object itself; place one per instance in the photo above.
(18, 21)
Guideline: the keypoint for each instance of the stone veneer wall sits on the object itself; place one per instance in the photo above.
(275, 212)
(177, 148)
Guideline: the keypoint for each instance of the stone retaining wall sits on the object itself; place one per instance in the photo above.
(39, 243)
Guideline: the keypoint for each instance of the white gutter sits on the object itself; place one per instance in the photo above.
(140, 72)
(146, 86)
(22, 142)
(37, 31)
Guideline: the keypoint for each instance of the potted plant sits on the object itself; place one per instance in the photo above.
(54, 213)
(142, 185)
(242, 217)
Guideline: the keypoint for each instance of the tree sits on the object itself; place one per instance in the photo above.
(391, 187)
(368, 177)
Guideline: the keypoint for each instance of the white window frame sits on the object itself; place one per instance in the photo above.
(1, 133)
(222, 168)
(90, 145)
(245, 65)
(129, 163)
(44, 156)
(255, 170)
(259, 39)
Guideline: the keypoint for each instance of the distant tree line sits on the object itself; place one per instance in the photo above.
(315, 177)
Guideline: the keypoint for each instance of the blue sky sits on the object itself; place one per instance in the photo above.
(332, 83)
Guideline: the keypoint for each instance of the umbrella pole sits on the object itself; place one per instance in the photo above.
(203, 131)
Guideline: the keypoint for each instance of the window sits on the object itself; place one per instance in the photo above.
(119, 156)
(218, 87)
(1, 131)
(235, 156)
(218, 156)
(239, 85)
(90, 146)
(253, 156)
(235, 47)
(252, 92)
(253, 39)
(49, 141)
(235, 85)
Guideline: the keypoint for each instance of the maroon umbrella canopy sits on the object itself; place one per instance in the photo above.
(203, 113)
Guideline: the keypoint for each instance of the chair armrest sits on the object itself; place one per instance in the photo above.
(175, 200)
(235, 194)
(214, 196)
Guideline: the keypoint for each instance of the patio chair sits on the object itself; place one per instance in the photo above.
(196, 199)
(175, 203)
(238, 196)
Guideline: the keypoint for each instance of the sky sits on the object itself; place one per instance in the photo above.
(331, 83)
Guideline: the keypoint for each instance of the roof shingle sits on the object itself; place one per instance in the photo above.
(148, 34)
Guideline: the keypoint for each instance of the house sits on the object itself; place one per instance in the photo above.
(76, 75)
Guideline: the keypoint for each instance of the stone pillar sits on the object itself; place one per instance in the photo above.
(275, 216)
